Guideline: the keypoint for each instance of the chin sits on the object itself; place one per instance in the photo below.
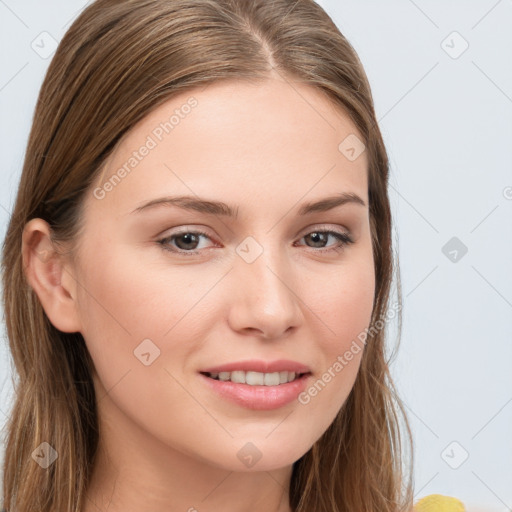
(263, 454)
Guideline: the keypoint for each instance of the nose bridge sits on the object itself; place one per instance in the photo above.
(265, 299)
(263, 267)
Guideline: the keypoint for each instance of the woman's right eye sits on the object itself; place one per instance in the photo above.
(185, 240)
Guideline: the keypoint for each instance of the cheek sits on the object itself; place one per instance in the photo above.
(126, 300)
(122, 303)
(344, 310)
(128, 294)
(345, 303)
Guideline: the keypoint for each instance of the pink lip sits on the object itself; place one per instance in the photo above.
(258, 397)
(258, 365)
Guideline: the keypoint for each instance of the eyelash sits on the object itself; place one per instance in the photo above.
(344, 239)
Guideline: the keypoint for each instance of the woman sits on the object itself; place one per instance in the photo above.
(197, 311)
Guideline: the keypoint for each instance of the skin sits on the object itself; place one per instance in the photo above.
(167, 442)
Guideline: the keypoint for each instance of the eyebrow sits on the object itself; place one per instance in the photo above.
(219, 208)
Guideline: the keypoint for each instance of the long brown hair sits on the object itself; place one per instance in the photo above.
(119, 60)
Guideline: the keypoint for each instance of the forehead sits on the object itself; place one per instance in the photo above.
(245, 140)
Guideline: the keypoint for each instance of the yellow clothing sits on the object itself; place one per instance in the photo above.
(439, 503)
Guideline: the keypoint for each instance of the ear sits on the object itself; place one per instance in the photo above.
(50, 276)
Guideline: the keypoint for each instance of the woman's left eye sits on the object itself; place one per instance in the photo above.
(342, 239)
(187, 241)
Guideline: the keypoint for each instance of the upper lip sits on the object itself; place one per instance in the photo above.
(261, 366)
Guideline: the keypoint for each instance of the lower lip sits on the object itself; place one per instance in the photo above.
(258, 397)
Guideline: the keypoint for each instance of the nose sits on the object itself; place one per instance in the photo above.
(265, 298)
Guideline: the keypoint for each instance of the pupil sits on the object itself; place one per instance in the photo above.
(316, 236)
(187, 237)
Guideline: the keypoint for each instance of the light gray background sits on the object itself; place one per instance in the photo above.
(446, 119)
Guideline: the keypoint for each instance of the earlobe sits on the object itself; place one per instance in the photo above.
(50, 276)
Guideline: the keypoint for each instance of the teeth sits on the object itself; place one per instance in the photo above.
(256, 378)
(238, 377)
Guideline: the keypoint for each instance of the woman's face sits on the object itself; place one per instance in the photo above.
(167, 291)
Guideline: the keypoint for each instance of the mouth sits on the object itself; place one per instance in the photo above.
(252, 378)
(258, 384)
